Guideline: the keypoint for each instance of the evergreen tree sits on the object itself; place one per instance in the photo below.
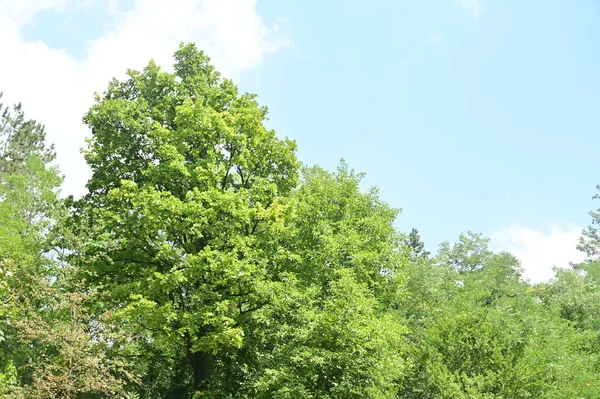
(416, 246)
(20, 139)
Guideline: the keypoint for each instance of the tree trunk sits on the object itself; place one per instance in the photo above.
(202, 369)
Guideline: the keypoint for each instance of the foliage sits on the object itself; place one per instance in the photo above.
(45, 348)
(487, 335)
(589, 243)
(205, 262)
(188, 193)
(416, 246)
(335, 334)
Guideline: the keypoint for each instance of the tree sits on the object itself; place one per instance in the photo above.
(485, 334)
(45, 349)
(198, 231)
(335, 345)
(416, 246)
(590, 238)
(20, 139)
(187, 195)
(205, 262)
(332, 332)
(573, 295)
(467, 255)
(28, 199)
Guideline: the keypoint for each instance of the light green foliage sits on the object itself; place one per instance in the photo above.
(574, 294)
(341, 346)
(186, 198)
(331, 332)
(45, 349)
(8, 377)
(195, 224)
(338, 226)
(514, 349)
(28, 201)
(28, 197)
(467, 255)
(490, 337)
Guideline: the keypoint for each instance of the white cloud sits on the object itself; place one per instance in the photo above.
(473, 6)
(57, 89)
(432, 38)
(539, 251)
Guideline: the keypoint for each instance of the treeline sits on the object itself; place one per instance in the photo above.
(205, 261)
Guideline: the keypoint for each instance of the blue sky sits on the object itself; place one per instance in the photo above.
(469, 115)
(493, 122)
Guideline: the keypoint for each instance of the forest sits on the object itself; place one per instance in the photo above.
(206, 261)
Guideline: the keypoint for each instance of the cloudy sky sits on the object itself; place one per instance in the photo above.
(469, 114)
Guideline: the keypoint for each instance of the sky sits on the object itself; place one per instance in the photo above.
(470, 115)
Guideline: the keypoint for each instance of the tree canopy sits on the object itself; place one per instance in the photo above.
(205, 261)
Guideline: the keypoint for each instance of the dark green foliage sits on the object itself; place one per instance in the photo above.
(416, 246)
(20, 139)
